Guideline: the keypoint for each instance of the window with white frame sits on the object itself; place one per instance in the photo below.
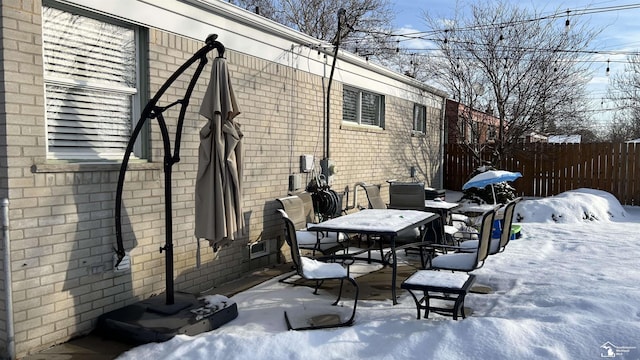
(362, 107)
(92, 87)
(419, 118)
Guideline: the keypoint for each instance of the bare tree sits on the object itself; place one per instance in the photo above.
(523, 65)
(625, 92)
(367, 22)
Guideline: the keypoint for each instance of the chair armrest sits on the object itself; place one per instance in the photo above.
(466, 235)
(432, 248)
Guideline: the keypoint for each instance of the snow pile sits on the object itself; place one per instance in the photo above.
(576, 206)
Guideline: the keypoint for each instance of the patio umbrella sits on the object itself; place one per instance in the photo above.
(490, 177)
(218, 185)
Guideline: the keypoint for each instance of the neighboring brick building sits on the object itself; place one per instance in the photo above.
(468, 125)
(59, 170)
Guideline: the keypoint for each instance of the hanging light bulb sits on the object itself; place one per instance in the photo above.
(608, 70)
(567, 23)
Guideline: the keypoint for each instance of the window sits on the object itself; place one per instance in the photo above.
(419, 118)
(491, 133)
(362, 107)
(475, 132)
(463, 131)
(92, 91)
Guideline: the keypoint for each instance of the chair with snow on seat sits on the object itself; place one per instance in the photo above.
(299, 208)
(464, 260)
(497, 244)
(311, 269)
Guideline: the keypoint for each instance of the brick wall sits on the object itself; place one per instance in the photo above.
(62, 225)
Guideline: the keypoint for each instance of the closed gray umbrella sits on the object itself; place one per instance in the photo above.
(218, 185)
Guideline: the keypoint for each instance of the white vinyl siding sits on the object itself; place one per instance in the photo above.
(91, 86)
(362, 107)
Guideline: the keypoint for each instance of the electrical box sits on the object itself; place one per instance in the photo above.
(295, 182)
(328, 170)
(306, 163)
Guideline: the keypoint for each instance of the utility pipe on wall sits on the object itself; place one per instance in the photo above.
(8, 299)
(341, 15)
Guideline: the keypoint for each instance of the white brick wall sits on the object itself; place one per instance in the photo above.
(62, 226)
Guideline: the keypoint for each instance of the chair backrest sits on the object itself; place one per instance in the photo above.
(509, 210)
(373, 195)
(292, 240)
(484, 237)
(294, 208)
(308, 210)
(406, 195)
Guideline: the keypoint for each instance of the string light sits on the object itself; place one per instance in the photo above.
(607, 67)
(586, 11)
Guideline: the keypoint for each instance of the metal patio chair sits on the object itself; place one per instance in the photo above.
(299, 209)
(455, 259)
(311, 269)
(497, 245)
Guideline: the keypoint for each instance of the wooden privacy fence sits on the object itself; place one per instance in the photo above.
(550, 169)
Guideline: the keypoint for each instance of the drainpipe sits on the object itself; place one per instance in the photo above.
(8, 300)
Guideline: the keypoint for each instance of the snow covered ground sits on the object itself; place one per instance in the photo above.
(568, 289)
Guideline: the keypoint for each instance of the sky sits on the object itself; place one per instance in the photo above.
(567, 289)
(620, 32)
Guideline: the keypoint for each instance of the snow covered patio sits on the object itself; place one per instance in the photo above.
(566, 290)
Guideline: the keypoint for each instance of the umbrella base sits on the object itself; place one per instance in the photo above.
(151, 320)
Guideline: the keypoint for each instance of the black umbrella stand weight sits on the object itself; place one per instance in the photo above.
(157, 319)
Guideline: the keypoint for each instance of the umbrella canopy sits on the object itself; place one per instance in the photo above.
(490, 177)
(218, 185)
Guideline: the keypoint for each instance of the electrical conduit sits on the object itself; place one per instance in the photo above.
(8, 299)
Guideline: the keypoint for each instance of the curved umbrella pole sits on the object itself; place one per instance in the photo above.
(151, 111)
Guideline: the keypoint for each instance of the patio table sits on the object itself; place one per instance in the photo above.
(475, 211)
(444, 209)
(383, 222)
